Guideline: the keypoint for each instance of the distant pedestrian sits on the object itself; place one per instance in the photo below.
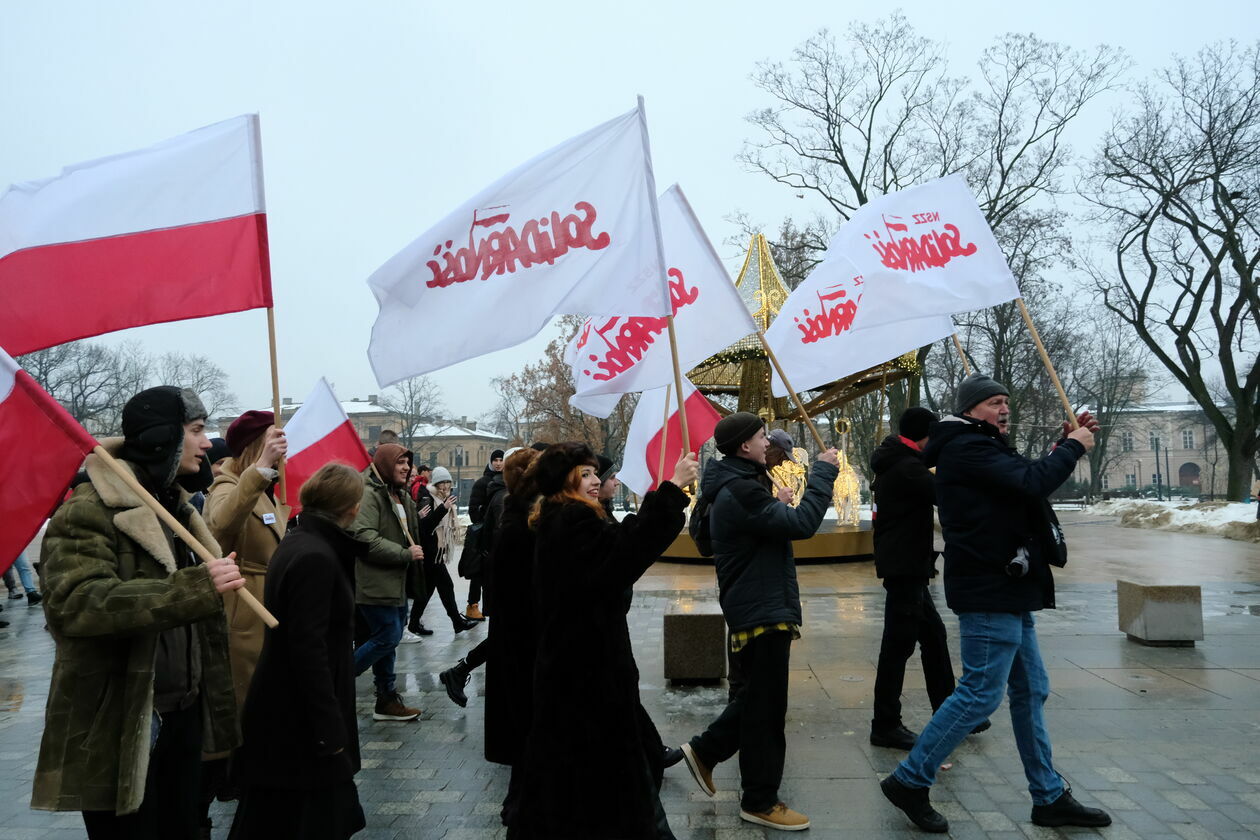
(478, 500)
(20, 580)
(1001, 538)
(440, 533)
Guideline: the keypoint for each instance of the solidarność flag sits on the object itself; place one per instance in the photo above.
(814, 336)
(618, 354)
(174, 231)
(646, 437)
(572, 232)
(318, 433)
(922, 252)
(41, 448)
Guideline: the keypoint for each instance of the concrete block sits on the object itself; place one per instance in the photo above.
(1169, 616)
(695, 641)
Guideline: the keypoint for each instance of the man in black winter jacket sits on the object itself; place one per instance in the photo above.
(752, 535)
(1001, 538)
(905, 560)
(478, 502)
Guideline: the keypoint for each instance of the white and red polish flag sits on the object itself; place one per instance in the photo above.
(41, 448)
(318, 433)
(174, 231)
(814, 335)
(571, 232)
(924, 251)
(618, 354)
(647, 436)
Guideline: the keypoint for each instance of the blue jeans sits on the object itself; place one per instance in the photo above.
(25, 573)
(999, 653)
(385, 628)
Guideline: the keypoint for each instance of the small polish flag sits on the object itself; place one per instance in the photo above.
(320, 432)
(169, 232)
(41, 448)
(649, 433)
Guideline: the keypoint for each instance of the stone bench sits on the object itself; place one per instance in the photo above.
(695, 642)
(1160, 616)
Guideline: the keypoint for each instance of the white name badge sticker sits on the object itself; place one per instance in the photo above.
(269, 519)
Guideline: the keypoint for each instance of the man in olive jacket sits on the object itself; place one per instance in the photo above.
(141, 682)
(389, 524)
(752, 535)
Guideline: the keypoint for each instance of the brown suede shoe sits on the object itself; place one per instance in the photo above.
(392, 708)
(703, 775)
(780, 816)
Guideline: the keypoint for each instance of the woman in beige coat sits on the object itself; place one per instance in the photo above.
(242, 512)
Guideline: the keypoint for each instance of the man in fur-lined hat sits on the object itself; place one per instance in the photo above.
(141, 682)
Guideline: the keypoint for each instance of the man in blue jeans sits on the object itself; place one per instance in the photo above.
(389, 523)
(1001, 538)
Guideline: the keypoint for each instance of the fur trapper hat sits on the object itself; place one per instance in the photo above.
(553, 466)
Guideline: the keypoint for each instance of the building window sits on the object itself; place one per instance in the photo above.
(374, 433)
(1126, 441)
(1105, 483)
(1155, 444)
(1130, 480)
(433, 459)
(1154, 477)
(1187, 438)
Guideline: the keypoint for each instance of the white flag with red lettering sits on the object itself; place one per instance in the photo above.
(814, 335)
(613, 355)
(318, 433)
(571, 232)
(650, 433)
(922, 252)
(41, 448)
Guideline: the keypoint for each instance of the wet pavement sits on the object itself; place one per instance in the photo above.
(1166, 739)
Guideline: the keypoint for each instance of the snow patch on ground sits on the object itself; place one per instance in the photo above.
(1233, 520)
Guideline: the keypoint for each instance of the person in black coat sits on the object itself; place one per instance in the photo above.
(752, 533)
(1001, 538)
(431, 574)
(904, 558)
(478, 501)
(301, 737)
(592, 766)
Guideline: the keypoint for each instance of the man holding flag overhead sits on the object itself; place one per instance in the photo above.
(141, 683)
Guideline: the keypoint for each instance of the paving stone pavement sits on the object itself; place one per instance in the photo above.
(1166, 739)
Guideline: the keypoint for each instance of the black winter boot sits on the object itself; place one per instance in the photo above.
(455, 679)
(1067, 811)
(914, 803)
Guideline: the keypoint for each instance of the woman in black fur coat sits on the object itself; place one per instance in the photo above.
(593, 759)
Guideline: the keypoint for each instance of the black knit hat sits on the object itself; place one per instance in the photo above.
(976, 389)
(607, 466)
(915, 421)
(553, 466)
(496, 454)
(734, 429)
(218, 450)
(153, 431)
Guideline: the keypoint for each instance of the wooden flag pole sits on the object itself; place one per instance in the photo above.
(1045, 359)
(282, 488)
(180, 531)
(660, 472)
(678, 388)
(962, 355)
(774, 360)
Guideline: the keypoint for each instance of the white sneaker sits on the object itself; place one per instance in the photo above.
(408, 638)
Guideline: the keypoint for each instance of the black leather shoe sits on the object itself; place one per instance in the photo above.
(421, 630)
(454, 679)
(460, 624)
(982, 727)
(914, 803)
(673, 755)
(1067, 811)
(897, 739)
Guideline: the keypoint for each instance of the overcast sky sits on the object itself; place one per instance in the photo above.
(380, 118)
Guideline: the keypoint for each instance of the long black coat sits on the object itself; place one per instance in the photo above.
(300, 708)
(510, 667)
(904, 495)
(593, 759)
(992, 502)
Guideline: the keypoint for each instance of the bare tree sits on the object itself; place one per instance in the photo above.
(877, 111)
(91, 381)
(1177, 183)
(416, 402)
(201, 376)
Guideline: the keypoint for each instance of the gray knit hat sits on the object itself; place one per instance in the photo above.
(976, 389)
